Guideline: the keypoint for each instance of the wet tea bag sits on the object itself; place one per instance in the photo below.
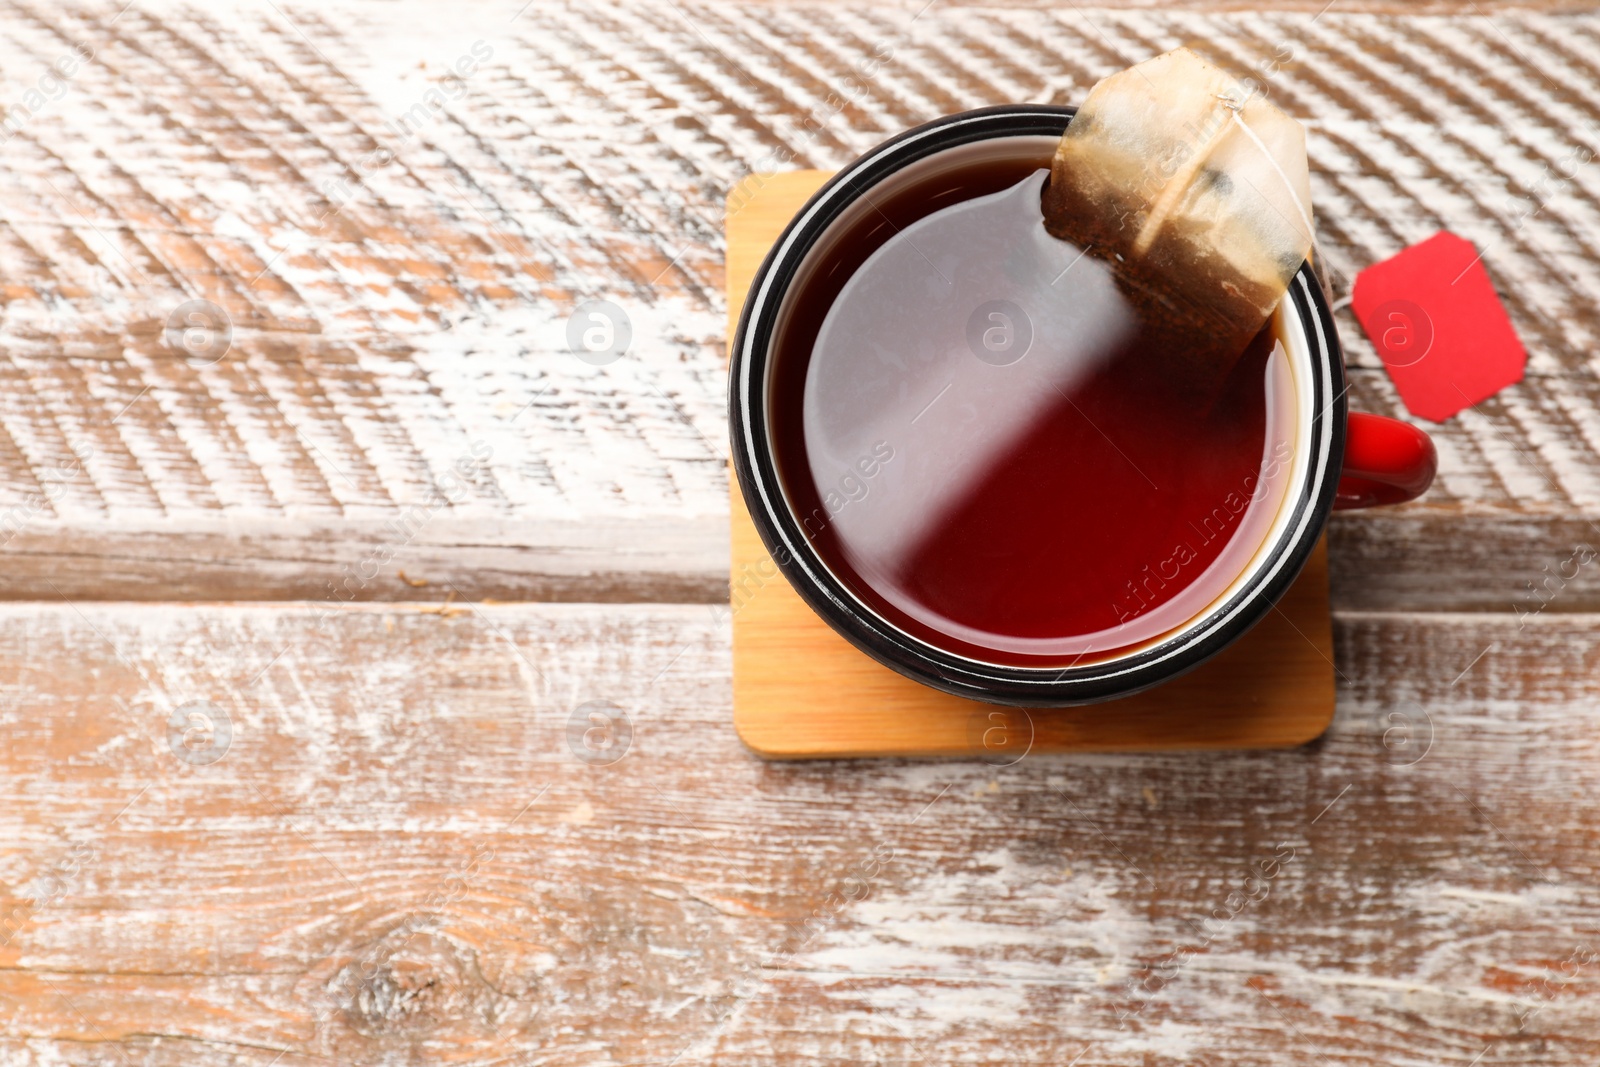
(1196, 189)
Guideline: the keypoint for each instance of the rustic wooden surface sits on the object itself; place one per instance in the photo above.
(412, 848)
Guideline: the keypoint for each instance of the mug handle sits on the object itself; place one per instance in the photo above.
(1386, 461)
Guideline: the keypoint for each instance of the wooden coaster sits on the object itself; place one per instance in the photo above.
(802, 691)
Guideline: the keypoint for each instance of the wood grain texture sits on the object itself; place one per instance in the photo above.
(399, 859)
(398, 248)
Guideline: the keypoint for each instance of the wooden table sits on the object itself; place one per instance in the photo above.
(326, 622)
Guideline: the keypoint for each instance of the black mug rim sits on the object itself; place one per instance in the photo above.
(815, 583)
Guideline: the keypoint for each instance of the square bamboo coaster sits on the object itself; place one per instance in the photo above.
(802, 691)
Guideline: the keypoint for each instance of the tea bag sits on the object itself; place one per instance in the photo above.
(1196, 189)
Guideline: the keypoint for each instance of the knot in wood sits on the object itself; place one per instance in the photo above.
(411, 982)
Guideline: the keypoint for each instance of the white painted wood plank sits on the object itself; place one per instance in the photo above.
(399, 265)
(400, 797)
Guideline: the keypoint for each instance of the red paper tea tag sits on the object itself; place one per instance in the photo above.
(1439, 327)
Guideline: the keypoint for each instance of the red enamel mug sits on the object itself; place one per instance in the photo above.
(1342, 459)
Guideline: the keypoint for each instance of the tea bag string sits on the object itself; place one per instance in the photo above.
(1305, 217)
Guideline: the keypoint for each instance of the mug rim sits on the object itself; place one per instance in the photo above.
(1165, 658)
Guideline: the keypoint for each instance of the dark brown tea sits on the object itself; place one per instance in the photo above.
(975, 428)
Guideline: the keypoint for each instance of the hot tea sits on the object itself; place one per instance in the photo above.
(976, 428)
